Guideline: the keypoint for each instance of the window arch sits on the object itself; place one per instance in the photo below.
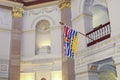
(98, 27)
(100, 15)
(98, 10)
(42, 39)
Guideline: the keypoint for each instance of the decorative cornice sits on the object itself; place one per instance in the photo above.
(109, 43)
(10, 3)
(40, 5)
(34, 2)
(64, 4)
(28, 31)
(4, 29)
(39, 64)
(33, 30)
(43, 10)
(38, 61)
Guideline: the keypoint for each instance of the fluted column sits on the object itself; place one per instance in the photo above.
(68, 71)
(14, 64)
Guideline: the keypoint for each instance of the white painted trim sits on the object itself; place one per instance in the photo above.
(10, 3)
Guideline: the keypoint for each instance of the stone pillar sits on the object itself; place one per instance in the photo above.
(14, 64)
(68, 71)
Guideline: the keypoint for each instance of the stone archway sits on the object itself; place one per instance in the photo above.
(43, 79)
(107, 72)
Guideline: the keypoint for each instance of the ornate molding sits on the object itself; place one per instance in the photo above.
(4, 29)
(9, 3)
(41, 5)
(17, 12)
(64, 4)
(43, 10)
(92, 67)
(40, 64)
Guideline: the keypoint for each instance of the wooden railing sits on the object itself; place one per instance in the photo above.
(98, 34)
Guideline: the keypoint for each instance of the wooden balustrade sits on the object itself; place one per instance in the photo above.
(98, 34)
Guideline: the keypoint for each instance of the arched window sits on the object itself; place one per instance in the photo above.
(42, 43)
(101, 29)
(100, 15)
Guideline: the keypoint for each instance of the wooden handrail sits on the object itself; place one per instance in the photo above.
(99, 33)
(97, 28)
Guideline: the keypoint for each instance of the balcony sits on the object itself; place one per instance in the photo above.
(99, 34)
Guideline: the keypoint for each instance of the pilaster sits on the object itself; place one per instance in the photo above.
(15, 51)
(68, 70)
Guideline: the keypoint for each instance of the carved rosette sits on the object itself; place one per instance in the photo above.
(64, 4)
(17, 12)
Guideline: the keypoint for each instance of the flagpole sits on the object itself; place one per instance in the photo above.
(78, 32)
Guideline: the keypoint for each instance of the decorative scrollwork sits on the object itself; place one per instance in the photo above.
(64, 4)
(17, 12)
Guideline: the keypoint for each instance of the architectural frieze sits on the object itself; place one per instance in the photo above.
(39, 64)
(43, 10)
(47, 60)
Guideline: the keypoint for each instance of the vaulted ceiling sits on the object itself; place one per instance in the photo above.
(32, 2)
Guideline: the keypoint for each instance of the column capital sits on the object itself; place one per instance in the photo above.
(64, 4)
(17, 12)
